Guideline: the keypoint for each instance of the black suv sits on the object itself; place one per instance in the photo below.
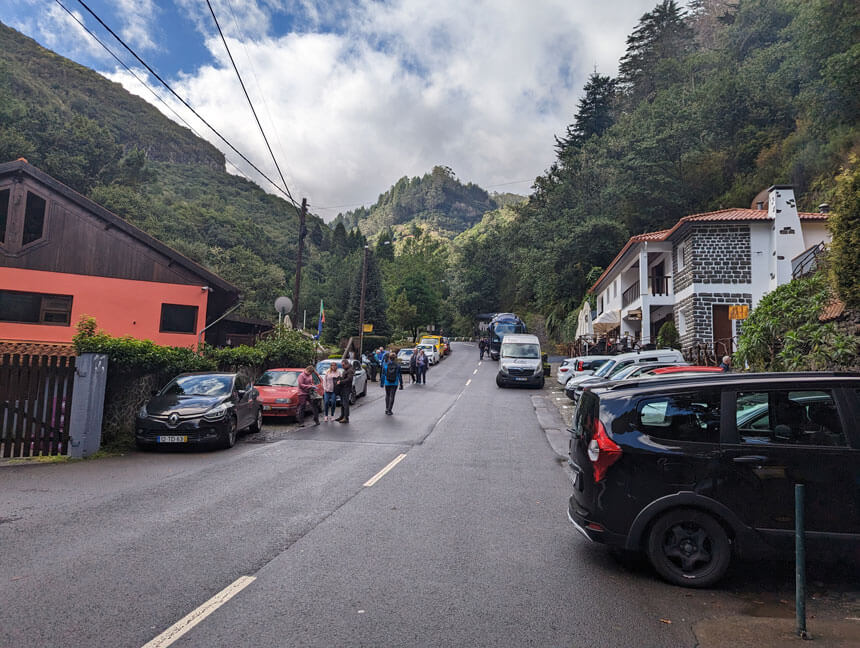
(694, 470)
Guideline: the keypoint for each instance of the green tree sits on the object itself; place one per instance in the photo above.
(844, 225)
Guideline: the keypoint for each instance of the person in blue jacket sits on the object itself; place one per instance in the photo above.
(390, 379)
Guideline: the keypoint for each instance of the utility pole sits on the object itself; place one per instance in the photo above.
(302, 232)
(361, 304)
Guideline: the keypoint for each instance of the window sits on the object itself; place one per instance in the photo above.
(693, 417)
(34, 219)
(4, 213)
(682, 253)
(35, 308)
(682, 324)
(789, 417)
(176, 318)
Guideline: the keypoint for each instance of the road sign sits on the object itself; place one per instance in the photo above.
(739, 312)
(368, 328)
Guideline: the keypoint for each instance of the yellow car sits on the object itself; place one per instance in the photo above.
(436, 341)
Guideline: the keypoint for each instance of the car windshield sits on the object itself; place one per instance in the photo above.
(199, 385)
(279, 379)
(605, 368)
(405, 353)
(520, 350)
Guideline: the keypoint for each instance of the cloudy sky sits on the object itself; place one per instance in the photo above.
(354, 94)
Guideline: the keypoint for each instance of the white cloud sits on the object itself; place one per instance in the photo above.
(402, 86)
(57, 30)
(138, 18)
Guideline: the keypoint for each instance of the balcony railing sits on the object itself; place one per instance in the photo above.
(657, 285)
(630, 295)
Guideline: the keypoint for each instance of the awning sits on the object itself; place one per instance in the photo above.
(607, 321)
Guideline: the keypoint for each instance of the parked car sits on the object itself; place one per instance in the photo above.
(430, 351)
(359, 381)
(578, 366)
(624, 373)
(404, 356)
(520, 361)
(447, 342)
(279, 392)
(206, 408)
(618, 362)
(436, 341)
(682, 370)
(695, 471)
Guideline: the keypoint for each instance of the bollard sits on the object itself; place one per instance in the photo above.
(800, 562)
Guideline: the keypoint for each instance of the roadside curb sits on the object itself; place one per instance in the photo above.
(550, 419)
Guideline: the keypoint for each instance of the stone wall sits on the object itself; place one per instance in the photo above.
(681, 278)
(697, 310)
(720, 253)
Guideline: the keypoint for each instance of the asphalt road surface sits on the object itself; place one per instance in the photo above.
(301, 537)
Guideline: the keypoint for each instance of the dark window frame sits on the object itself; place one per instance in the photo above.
(43, 308)
(161, 325)
(25, 217)
(4, 213)
(653, 431)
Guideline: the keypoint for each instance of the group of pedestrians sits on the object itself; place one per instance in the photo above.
(418, 364)
(336, 381)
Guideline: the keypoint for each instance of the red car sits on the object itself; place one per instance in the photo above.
(279, 391)
(690, 369)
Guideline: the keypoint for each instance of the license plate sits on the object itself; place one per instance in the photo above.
(173, 439)
(518, 378)
(267, 407)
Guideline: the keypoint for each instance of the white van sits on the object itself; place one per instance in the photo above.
(618, 362)
(520, 361)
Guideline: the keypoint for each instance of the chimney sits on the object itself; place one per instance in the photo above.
(824, 208)
(760, 205)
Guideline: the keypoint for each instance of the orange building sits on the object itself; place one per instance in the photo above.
(63, 256)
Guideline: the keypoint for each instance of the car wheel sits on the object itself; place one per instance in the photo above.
(229, 438)
(689, 548)
(352, 396)
(541, 383)
(499, 382)
(257, 425)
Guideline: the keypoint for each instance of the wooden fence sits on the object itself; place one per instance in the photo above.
(35, 402)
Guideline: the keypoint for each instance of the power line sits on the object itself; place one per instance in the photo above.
(250, 103)
(184, 102)
(142, 82)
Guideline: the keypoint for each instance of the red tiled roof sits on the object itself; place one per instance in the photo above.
(36, 348)
(834, 308)
(736, 214)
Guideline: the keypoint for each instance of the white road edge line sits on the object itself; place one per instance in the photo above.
(190, 620)
(383, 472)
(468, 381)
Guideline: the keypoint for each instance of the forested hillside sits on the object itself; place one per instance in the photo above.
(120, 151)
(713, 103)
(436, 202)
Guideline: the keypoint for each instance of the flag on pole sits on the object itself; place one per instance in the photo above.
(321, 320)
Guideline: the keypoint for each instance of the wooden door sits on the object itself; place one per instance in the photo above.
(722, 328)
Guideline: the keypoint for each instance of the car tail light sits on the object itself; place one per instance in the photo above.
(580, 365)
(563, 369)
(602, 451)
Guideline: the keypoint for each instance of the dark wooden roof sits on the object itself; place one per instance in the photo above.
(189, 270)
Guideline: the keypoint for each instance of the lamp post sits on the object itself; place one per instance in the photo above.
(361, 304)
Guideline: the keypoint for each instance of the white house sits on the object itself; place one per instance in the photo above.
(693, 272)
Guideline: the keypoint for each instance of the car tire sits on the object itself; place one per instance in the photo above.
(499, 382)
(352, 396)
(689, 548)
(228, 440)
(541, 383)
(257, 425)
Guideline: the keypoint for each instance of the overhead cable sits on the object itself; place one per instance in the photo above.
(250, 103)
(185, 103)
(141, 81)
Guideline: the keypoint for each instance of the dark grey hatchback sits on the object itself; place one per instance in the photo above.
(693, 471)
(208, 408)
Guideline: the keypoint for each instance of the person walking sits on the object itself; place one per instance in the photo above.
(482, 347)
(413, 367)
(421, 363)
(344, 388)
(391, 378)
(306, 385)
(329, 380)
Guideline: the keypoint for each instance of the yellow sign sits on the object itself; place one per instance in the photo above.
(368, 328)
(740, 312)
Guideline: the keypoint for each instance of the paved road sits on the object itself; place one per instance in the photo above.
(464, 542)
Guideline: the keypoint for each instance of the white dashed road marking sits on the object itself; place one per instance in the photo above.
(187, 622)
(382, 473)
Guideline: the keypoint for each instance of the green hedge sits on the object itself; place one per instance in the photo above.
(285, 348)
